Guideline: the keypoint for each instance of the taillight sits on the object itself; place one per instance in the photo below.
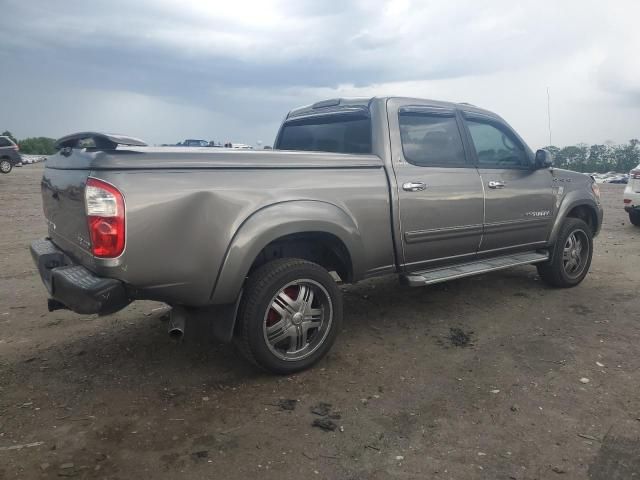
(16, 148)
(635, 174)
(105, 215)
(596, 190)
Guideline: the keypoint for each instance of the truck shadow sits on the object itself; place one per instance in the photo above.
(137, 350)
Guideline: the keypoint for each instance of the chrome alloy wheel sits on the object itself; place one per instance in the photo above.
(5, 166)
(575, 254)
(298, 320)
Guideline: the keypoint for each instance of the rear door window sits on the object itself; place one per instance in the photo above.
(340, 133)
(4, 142)
(431, 139)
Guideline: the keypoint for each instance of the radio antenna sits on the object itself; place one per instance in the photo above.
(549, 114)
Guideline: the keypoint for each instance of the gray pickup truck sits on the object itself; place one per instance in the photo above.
(254, 244)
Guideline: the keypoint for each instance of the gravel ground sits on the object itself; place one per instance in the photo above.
(475, 379)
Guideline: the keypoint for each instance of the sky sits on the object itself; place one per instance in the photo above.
(166, 70)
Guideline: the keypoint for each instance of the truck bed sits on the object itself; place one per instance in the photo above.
(187, 209)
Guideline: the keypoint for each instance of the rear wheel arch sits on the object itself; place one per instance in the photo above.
(290, 227)
(324, 249)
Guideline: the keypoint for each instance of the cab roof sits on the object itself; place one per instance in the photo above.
(361, 103)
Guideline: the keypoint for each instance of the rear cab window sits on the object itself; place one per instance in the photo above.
(337, 132)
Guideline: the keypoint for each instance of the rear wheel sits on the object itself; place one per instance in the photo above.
(570, 256)
(290, 315)
(634, 217)
(5, 166)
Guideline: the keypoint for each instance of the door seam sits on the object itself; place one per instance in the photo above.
(484, 211)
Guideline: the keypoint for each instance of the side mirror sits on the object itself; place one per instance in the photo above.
(544, 158)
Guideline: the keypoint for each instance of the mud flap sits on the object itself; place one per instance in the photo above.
(215, 322)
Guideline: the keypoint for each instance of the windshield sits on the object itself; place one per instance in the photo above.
(341, 133)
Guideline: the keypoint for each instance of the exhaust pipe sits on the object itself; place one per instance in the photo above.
(177, 320)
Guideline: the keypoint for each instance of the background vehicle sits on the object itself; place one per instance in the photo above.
(250, 242)
(194, 143)
(632, 196)
(29, 159)
(619, 179)
(9, 154)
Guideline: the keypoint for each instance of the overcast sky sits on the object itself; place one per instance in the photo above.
(167, 70)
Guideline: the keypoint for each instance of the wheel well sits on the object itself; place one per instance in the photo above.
(322, 248)
(586, 214)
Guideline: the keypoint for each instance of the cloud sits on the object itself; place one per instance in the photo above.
(235, 68)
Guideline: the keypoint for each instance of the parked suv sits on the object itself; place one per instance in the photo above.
(9, 154)
(632, 196)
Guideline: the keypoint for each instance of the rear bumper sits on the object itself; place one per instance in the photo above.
(631, 198)
(15, 158)
(74, 286)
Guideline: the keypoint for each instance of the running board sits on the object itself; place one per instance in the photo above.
(443, 274)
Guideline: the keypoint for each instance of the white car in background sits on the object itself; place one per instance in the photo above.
(632, 196)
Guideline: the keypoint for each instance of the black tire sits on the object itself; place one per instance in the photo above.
(5, 165)
(262, 304)
(634, 217)
(559, 271)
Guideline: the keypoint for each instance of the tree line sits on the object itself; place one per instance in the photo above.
(597, 158)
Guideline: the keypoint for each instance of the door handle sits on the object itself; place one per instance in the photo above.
(414, 186)
(496, 184)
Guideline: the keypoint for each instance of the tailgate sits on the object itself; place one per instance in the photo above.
(63, 189)
(64, 210)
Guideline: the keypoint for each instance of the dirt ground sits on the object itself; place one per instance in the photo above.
(498, 397)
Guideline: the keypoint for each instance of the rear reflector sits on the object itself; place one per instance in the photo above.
(627, 200)
(106, 218)
(635, 174)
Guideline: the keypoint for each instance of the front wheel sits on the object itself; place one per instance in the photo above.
(570, 256)
(5, 166)
(634, 217)
(289, 317)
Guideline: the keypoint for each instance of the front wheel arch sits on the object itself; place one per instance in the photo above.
(575, 205)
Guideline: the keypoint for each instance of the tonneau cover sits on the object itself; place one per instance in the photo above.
(151, 158)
